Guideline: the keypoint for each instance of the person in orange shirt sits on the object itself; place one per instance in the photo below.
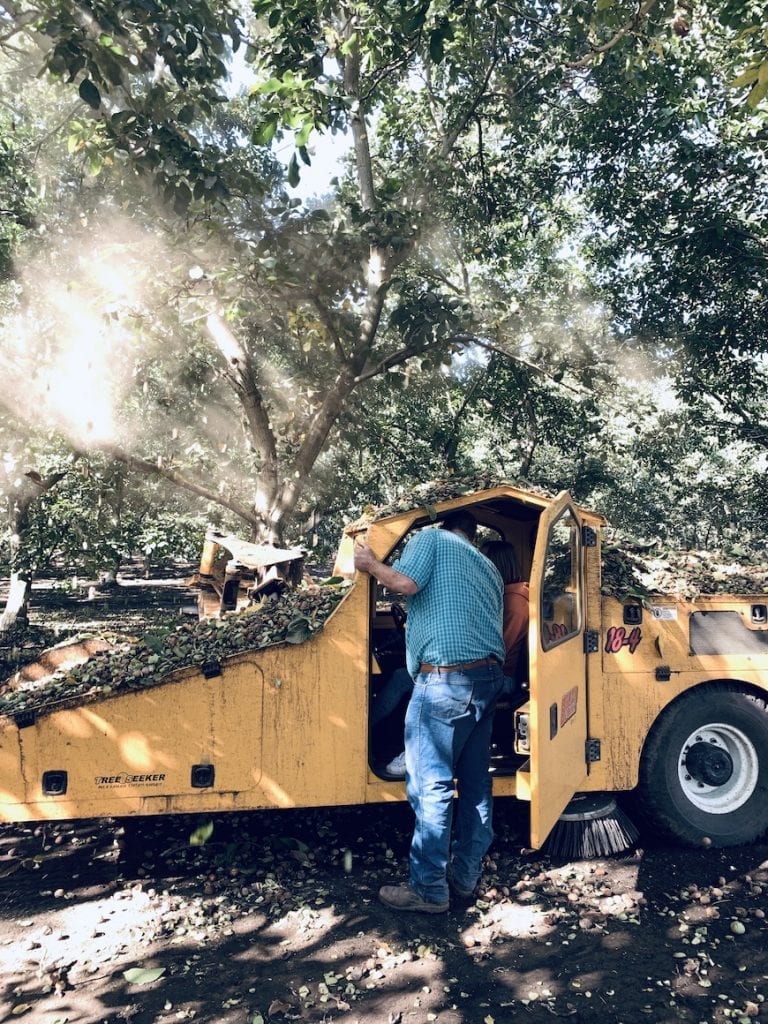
(515, 625)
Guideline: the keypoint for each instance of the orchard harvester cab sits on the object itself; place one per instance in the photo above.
(628, 688)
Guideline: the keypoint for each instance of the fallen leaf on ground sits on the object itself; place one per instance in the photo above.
(143, 975)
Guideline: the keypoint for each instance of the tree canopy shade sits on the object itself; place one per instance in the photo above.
(146, 70)
(503, 160)
(16, 193)
(676, 174)
(747, 19)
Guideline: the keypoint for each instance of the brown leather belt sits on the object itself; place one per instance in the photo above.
(426, 667)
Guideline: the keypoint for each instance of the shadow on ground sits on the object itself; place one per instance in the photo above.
(276, 919)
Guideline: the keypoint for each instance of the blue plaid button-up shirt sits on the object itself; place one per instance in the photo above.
(456, 615)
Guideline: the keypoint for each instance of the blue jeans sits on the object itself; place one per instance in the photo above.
(448, 736)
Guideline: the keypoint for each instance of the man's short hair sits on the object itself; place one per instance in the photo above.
(461, 520)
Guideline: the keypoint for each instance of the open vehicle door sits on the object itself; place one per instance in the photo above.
(558, 666)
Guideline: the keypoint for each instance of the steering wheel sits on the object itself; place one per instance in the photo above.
(399, 615)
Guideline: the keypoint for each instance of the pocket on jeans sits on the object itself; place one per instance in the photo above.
(445, 702)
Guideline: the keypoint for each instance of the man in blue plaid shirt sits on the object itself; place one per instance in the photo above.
(455, 652)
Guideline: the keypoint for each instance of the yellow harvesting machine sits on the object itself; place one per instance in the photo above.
(658, 694)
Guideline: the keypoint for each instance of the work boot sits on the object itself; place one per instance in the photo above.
(457, 890)
(403, 897)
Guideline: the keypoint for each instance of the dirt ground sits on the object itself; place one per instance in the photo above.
(275, 918)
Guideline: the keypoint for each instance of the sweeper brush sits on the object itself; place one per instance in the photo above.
(592, 825)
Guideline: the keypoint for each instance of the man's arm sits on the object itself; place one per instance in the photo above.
(366, 561)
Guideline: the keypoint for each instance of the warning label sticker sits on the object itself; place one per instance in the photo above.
(660, 611)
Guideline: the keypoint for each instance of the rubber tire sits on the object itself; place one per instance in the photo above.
(662, 797)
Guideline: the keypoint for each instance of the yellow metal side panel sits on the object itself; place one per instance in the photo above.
(12, 788)
(664, 637)
(559, 767)
(285, 726)
(656, 641)
(315, 713)
(630, 697)
(119, 751)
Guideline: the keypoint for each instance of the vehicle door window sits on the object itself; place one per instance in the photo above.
(561, 600)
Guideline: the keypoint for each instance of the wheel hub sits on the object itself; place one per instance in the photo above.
(708, 763)
(718, 767)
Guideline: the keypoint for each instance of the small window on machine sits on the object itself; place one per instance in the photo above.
(725, 632)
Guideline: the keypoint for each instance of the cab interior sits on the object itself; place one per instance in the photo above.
(501, 518)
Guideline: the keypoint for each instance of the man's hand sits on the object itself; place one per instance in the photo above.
(365, 560)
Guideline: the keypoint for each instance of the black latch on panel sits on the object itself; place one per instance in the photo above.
(759, 614)
(591, 641)
(633, 614)
(552, 721)
(54, 783)
(202, 776)
(663, 673)
(588, 537)
(592, 751)
(211, 668)
(24, 719)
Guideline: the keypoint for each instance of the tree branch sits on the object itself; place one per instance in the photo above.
(330, 326)
(326, 416)
(239, 372)
(45, 484)
(633, 22)
(350, 66)
(533, 425)
(156, 469)
(491, 347)
(451, 445)
(402, 355)
(40, 142)
(407, 352)
(431, 105)
(21, 19)
(319, 428)
(749, 427)
(449, 141)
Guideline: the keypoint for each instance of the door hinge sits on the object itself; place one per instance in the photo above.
(591, 641)
(592, 751)
(588, 537)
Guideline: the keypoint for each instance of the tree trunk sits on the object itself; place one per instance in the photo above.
(15, 612)
(31, 487)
